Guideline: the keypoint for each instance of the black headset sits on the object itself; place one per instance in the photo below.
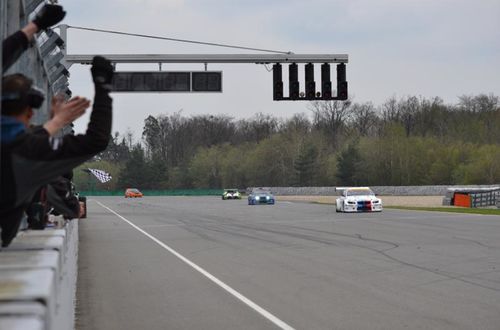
(33, 97)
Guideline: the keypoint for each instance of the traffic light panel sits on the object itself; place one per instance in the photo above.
(326, 82)
(326, 92)
(341, 82)
(293, 79)
(310, 83)
(277, 82)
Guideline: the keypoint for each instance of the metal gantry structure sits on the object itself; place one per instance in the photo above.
(276, 59)
(212, 58)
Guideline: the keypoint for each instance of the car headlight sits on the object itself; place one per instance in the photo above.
(267, 197)
(257, 197)
(350, 202)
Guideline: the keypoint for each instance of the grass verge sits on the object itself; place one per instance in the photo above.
(448, 209)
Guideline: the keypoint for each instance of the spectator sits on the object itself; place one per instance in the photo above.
(37, 210)
(62, 198)
(31, 159)
(57, 198)
(16, 44)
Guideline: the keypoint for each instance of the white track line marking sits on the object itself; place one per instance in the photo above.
(211, 277)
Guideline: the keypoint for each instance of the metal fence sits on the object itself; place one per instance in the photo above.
(484, 199)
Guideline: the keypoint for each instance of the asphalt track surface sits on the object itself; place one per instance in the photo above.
(204, 263)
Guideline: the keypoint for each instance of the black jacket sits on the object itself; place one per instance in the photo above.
(34, 159)
(12, 48)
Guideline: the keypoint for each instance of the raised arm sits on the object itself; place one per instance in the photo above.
(15, 45)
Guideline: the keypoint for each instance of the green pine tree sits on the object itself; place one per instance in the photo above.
(135, 171)
(347, 166)
(305, 166)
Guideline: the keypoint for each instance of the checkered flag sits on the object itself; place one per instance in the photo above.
(100, 174)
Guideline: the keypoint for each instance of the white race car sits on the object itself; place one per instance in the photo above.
(361, 199)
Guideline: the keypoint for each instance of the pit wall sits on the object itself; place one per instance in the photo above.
(38, 274)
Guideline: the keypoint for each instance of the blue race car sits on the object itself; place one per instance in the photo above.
(261, 196)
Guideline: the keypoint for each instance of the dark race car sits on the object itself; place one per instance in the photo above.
(261, 196)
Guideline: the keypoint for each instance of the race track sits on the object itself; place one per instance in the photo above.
(204, 263)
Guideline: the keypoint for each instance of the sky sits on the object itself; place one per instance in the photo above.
(396, 48)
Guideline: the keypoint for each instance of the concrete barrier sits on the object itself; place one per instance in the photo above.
(439, 190)
(38, 279)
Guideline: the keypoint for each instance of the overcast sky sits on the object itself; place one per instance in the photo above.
(428, 48)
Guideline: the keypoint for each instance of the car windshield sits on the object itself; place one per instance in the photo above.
(134, 191)
(359, 192)
(232, 191)
(261, 191)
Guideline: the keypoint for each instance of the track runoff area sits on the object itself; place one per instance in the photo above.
(205, 263)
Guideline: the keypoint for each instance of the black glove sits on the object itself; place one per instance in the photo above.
(48, 16)
(102, 73)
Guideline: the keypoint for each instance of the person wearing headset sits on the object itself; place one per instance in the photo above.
(33, 158)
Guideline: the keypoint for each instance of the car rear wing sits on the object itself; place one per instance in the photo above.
(345, 188)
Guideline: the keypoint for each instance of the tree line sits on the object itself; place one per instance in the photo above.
(406, 141)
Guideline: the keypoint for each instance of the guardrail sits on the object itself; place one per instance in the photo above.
(38, 274)
(174, 192)
(438, 190)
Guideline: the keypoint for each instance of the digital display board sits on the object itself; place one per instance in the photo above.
(207, 81)
(152, 82)
(167, 81)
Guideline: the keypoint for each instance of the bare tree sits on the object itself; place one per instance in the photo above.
(209, 130)
(298, 123)
(331, 118)
(409, 110)
(479, 104)
(257, 128)
(364, 118)
(390, 111)
(432, 117)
